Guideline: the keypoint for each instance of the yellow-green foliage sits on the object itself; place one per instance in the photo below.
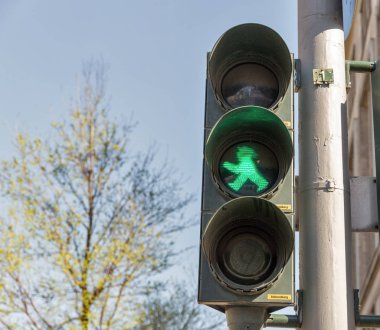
(87, 221)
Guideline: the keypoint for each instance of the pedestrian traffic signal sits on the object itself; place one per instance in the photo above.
(247, 230)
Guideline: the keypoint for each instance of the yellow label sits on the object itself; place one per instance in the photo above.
(287, 123)
(284, 207)
(279, 296)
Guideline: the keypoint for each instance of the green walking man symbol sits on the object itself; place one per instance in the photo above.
(246, 169)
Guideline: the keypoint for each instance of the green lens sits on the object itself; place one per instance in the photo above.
(248, 169)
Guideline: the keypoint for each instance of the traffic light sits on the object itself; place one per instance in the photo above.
(247, 226)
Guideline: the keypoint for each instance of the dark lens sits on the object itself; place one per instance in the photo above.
(246, 256)
(250, 84)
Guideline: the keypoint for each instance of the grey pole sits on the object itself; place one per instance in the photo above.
(325, 225)
(245, 317)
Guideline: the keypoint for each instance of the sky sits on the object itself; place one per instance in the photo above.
(156, 54)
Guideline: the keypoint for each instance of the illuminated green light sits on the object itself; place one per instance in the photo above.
(246, 170)
(249, 168)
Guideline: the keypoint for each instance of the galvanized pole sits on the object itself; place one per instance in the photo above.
(325, 226)
(245, 317)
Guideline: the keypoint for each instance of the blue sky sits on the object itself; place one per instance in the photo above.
(156, 54)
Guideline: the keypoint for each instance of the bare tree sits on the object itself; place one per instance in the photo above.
(175, 308)
(88, 221)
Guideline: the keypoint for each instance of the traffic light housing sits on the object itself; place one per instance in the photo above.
(247, 226)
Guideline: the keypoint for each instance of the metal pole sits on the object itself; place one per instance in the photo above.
(245, 317)
(282, 321)
(375, 85)
(362, 66)
(365, 321)
(325, 226)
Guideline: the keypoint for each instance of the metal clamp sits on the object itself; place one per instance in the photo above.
(323, 76)
(327, 185)
(297, 74)
(365, 321)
